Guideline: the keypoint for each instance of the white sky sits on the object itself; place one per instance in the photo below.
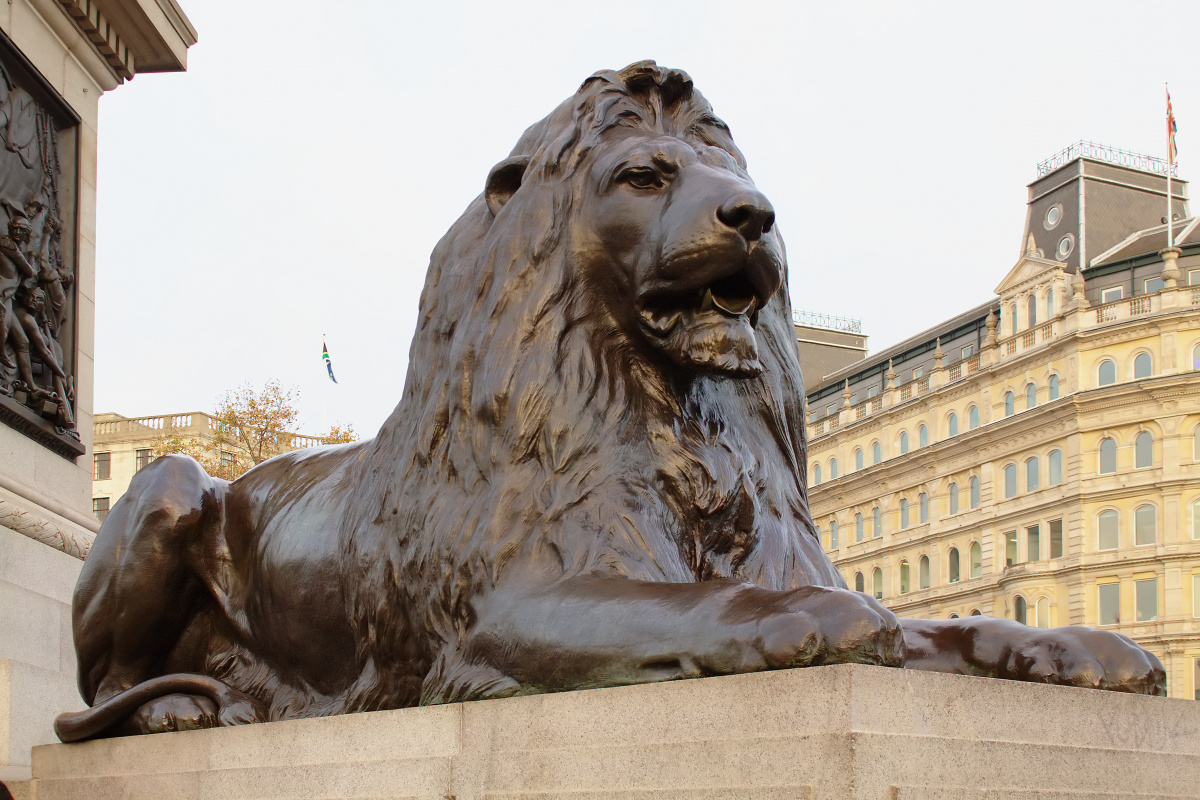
(295, 179)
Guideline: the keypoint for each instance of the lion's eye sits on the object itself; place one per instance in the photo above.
(642, 178)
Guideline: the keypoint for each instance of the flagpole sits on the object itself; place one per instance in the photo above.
(1170, 164)
(324, 398)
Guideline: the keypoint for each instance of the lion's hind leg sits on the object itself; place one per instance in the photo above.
(146, 581)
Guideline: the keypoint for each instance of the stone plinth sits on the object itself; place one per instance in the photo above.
(827, 732)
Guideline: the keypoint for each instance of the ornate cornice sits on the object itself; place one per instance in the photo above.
(27, 520)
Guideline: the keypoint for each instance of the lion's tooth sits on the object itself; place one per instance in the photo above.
(707, 303)
(733, 305)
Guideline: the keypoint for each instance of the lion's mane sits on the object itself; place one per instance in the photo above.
(534, 433)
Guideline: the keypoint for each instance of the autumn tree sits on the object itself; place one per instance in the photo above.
(248, 427)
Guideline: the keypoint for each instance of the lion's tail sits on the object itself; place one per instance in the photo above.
(232, 705)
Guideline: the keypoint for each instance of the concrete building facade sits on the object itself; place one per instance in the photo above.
(1037, 457)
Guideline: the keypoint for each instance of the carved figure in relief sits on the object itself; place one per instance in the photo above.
(15, 271)
(595, 477)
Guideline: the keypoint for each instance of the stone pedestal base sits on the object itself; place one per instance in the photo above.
(827, 732)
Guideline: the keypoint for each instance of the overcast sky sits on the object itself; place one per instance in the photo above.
(294, 180)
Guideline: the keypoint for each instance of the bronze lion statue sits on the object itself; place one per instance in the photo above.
(595, 477)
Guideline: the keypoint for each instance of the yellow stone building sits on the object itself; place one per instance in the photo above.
(1038, 457)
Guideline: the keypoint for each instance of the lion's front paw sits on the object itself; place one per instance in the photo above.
(831, 626)
(1076, 656)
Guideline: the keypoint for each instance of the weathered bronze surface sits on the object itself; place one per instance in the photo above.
(595, 476)
(37, 301)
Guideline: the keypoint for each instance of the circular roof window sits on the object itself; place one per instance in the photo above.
(1065, 246)
(1053, 216)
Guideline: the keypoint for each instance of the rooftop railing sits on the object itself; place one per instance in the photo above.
(814, 319)
(1109, 155)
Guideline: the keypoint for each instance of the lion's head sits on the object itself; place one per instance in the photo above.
(667, 230)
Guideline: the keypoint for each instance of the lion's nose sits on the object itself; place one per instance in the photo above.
(750, 214)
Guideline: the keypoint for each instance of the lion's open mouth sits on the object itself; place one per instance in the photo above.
(731, 296)
(712, 327)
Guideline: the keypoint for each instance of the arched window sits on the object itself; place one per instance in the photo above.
(1143, 450)
(1030, 396)
(1142, 366)
(975, 612)
(1107, 373)
(858, 461)
(1031, 474)
(974, 492)
(952, 491)
(1049, 304)
(922, 436)
(832, 469)
(923, 573)
(816, 474)
(1032, 311)
(952, 424)
(1010, 404)
(1019, 609)
(1010, 481)
(1196, 357)
(1108, 456)
(833, 538)
(972, 418)
(877, 527)
(1043, 612)
(1055, 467)
(877, 583)
(923, 508)
(976, 560)
(1109, 534)
(1012, 315)
(903, 513)
(1145, 525)
(1053, 387)
(1196, 445)
(858, 527)
(876, 453)
(952, 615)
(904, 587)
(859, 583)
(1196, 519)
(953, 570)
(903, 442)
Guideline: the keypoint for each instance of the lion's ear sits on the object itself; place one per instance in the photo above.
(503, 182)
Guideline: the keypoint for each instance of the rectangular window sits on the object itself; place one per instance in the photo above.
(1196, 596)
(1145, 595)
(831, 408)
(1112, 293)
(1110, 603)
(1010, 548)
(1154, 285)
(918, 372)
(1056, 538)
(1194, 277)
(101, 466)
(1033, 543)
(141, 460)
(100, 507)
(873, 391)
(968, 351)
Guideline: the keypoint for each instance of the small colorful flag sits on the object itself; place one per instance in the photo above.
(328, 365)
(1171, 129)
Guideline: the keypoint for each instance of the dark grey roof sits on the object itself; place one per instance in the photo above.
(1145, 242)
(896, 350)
